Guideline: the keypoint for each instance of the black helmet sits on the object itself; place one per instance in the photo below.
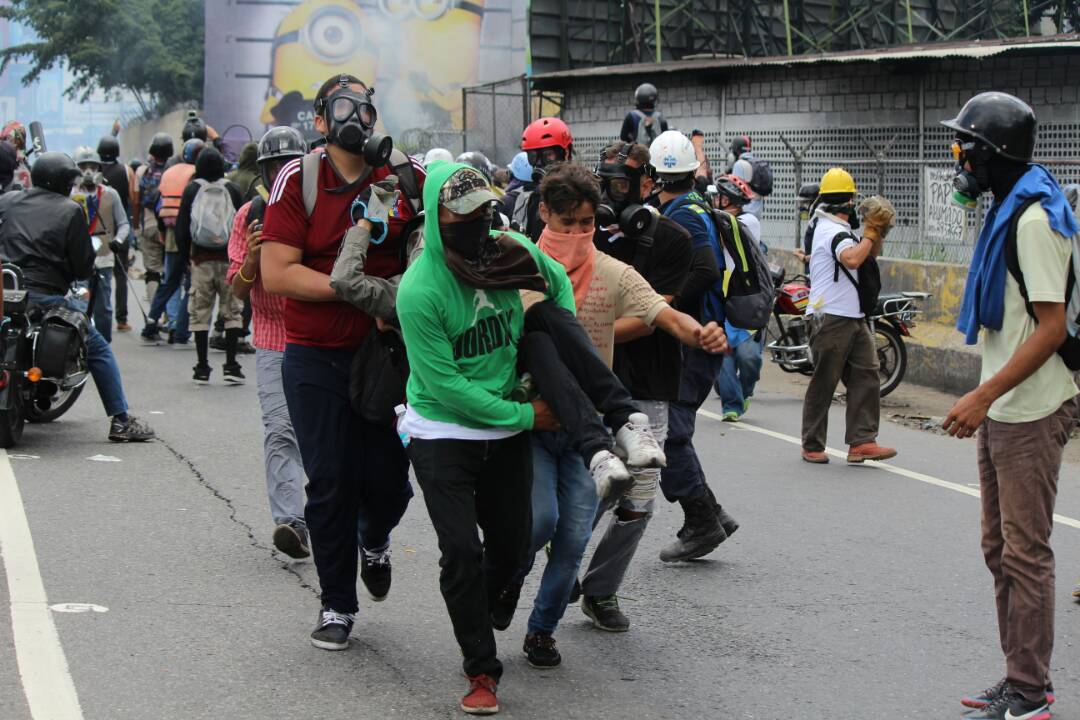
(1002, 121)
(108, 148)
(194, 127)
(54, 171)
(161, 147)
(477, 160)
(281, 142)
(645, 96)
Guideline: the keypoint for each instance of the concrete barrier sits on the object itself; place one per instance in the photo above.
(937, 355)
(135, 138)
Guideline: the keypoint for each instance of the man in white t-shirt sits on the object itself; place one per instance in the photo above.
(840, 338)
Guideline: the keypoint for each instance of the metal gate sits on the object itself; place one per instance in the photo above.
(495, 114)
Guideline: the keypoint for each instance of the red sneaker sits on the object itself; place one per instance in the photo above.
(481, 700)
(869, 451)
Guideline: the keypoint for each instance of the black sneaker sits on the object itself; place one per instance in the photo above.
(375, 571)
(245, 348)
(292, 540)
(201, 375)
(980, 700)
(332, 632)
(217, 342)
(134, 430)
(541, 651)
(232, 374)
(150, 333)
(604, 612)
(502, 610)
(1011, 705)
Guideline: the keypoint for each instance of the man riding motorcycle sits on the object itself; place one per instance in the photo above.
(45, 234)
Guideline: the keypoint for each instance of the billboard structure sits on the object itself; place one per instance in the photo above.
(265, 60)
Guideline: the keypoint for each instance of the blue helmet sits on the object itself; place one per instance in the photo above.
(520, 167)
(191, 150)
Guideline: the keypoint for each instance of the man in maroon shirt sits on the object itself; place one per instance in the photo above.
(357, 471)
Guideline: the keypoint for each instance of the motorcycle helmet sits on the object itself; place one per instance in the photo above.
(194, 127)
(108, 148)
(437, 155)
(278, 146)
(191, 150)
(479, 161)
(55, 172)
(1003, 122)
(161, 147)
(645, 96)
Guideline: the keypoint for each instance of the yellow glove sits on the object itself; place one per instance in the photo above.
(878, 217)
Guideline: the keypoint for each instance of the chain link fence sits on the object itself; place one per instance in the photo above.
(495, 114)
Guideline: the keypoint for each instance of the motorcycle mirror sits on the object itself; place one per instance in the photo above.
(37, 137)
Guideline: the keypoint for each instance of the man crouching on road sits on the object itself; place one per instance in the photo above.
(842, 293)
(461, 315)
(1025, 406)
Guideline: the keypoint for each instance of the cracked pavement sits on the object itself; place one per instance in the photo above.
(846, 593)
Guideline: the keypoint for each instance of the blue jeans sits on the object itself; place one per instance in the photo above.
(103, 367)
(739, 373)
(564, 504)
(103, 310)
(683, 477)
(171, 296)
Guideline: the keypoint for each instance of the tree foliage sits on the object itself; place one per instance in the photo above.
(151, 47)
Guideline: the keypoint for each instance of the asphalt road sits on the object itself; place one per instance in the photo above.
(848, 592)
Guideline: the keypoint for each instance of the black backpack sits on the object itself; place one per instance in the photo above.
(1070, 349)
(868, 283)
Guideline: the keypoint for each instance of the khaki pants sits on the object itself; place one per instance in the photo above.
(1018, 476)
(153, 253)
(207, 284)
(842, 347)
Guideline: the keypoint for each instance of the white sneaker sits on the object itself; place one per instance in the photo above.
(610, 475)
(636, 438)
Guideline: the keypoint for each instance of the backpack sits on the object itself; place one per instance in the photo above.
(519, 218)
(868, 284)
(1070, 349)
(646, 133)
(761, 181)
(212, 214)
(400, 163)
(149, 182)
(749, 292)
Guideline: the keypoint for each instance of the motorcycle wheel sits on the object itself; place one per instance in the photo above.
(62, 402)
(892, 356)
(12, 421)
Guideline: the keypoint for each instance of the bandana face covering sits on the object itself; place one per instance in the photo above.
(576, 253)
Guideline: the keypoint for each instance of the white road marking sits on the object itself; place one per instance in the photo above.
(78, 608)
(104, 458)
(47, 684)
(904, 472)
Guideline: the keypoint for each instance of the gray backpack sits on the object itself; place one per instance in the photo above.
(212, 215)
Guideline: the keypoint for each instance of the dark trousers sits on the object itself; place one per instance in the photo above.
(470, 483)
(843, 348)
(683, 477)
(573, 378)
(358, 474)
(1018, 476)
(120, 281)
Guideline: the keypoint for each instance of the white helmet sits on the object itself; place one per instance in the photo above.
(435, 154)
(743, 170)
(672, 153)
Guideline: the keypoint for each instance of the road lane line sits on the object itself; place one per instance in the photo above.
(43, 669)
(904, 472)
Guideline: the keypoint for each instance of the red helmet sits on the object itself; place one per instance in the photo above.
(546, 132)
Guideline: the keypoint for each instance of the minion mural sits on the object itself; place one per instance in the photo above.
(417, 54)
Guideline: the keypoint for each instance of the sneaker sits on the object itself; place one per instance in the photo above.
(217, 342)
(292, 539)
(1011, 705)
(701, 532)
(990, 694)
(605, 614)
(375, 571)
(730, 416)
(636, 438)
(502, 610)
(481, 700)
(201, 375)
(332, 632)
(232, 374)
(541, 651)
(123, 327)
(134, 430)
(869, 451)
(610, 475)
(815, 456)
(245, 348)
(745, 405)
(151, 333)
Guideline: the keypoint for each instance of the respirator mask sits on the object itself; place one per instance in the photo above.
(90, 178)
(540, 159)
(620, 196)
(969, 185)
(352, 117)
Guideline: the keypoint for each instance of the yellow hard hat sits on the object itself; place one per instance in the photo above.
(837, 181)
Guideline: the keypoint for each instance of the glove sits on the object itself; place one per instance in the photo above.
(374, 204)
(878, 216)
(118, 248)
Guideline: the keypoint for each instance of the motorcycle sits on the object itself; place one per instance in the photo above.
(43, 360)
(890, 323)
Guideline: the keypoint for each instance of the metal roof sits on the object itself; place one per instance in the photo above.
(931, 51)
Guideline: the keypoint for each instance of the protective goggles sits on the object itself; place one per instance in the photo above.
(619, 182)
(343, 106)
(545, 156)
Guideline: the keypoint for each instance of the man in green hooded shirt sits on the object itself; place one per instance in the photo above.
(461, 315)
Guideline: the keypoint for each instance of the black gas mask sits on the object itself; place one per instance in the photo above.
(540, 159)
(351, 118)
(969, 185)
(620, 196)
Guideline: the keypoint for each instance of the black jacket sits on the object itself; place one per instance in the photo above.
(116, 176)
(46, 235)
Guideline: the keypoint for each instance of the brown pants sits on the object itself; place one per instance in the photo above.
(1018, 476)
(843, 348)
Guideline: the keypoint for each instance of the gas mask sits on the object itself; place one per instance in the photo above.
(540, 159)
(90, 178)
(620, 195)
(352, 118)
(968, 186)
